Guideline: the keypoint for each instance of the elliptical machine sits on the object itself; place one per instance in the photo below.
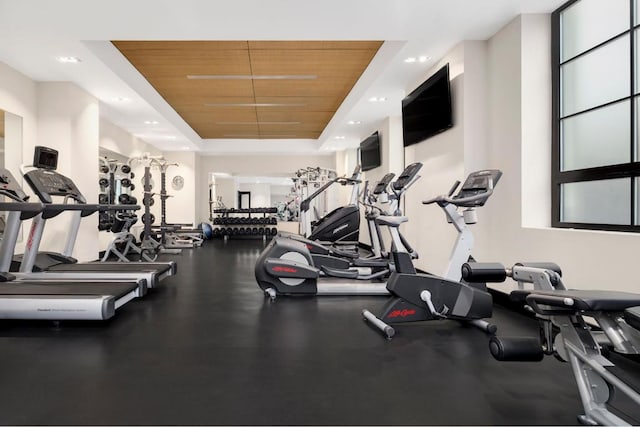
(341, 224)
(286, 266)
(419, 297)
(335, 259)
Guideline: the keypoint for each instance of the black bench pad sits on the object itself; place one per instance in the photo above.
(632, 316)
(586, 300)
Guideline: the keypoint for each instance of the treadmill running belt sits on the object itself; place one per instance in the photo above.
(120, 267)
(115, 289)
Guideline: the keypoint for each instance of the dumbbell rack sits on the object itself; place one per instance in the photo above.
(248, 226)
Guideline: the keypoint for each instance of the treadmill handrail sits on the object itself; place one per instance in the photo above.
(54, 209)
(28, 210)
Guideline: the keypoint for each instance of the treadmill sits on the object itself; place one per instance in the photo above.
(46, 183)
(51, 300)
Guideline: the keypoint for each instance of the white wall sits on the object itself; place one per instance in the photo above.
(260, 194)
(68, 121)
(18, 95)
(501, 91)
(589, 259)
(443, 163)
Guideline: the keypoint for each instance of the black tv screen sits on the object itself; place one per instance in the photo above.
(427, 110)
(370, 152)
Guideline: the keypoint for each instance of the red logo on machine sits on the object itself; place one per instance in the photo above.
(281, 269)
(401, 313)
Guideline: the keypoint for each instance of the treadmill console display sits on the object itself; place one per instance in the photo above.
(47, 183)
(407, 175)
(10, 188)
(381, 186)
(478, 183)
(45, 158)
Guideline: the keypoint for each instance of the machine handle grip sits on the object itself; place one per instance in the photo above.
(461, 201)
(542, 265)
(565, 304)
(453, 188)
(482, 272)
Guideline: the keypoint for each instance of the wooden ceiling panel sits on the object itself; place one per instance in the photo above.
(175, 88)
(271, 115)
(250, 73)
(302, 88)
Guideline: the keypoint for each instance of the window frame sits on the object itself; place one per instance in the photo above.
(629, 170)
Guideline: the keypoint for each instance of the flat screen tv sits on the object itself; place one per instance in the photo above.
(370, 152)
(427, 110)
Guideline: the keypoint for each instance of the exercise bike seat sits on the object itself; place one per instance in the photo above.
(582, 300)
(391, 221)
(632, 317)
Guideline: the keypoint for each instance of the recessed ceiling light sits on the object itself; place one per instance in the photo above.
(424, 58)
(252, 77)
(120, 99)
(340, 137)
(171, 137)
(377, 99)
(68, 59)
(151, 122)
(185, 147)
(410, 59)
(354, 122)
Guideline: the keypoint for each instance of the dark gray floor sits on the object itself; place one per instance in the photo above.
(207, 348)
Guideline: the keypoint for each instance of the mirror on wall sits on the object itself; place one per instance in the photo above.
(10, 150)
(284, 192)
(231, 191)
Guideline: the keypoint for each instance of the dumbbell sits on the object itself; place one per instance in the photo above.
(104, 182)
(133, 200)
(124, 199)
(254, 231)
(274, 231)
(125, 169)
(132, 187)
(103, 199)
(133, 175)
(104, 169)
(148, 200)
(125, 182)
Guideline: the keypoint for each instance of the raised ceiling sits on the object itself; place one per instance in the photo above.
(252, 89)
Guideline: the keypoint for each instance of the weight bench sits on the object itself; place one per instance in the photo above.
(566, 335)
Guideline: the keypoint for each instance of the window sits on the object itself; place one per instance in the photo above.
(596, 110)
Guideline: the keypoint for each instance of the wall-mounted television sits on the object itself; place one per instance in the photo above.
(427, 110)
(370, 152)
